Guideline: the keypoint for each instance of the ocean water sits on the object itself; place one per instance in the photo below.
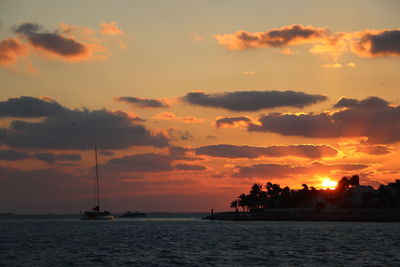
(186, 240)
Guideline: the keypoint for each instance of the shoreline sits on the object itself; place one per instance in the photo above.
(348, 215)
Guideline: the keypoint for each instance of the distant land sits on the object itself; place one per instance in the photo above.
(349, 201)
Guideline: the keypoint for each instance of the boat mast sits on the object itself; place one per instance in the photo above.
(97, 178)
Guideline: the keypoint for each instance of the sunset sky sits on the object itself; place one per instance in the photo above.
(191, 102)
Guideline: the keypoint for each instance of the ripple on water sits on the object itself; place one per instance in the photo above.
(197, 243)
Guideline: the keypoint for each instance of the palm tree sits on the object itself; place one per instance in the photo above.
(234, 204)
(243, 201)
(273, 194)
(255, 196)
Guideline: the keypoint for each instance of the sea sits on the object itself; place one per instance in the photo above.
(184, 239)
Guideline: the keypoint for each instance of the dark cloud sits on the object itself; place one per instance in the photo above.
(71, 157)
(378, 43)
(151, 162)
(77, 129)
(3, 133)
(29, 107)
(370, 102)
(142, 102)
(51, 41)
(177, 134)
(189, 167)
(290, 35)
(253, 100)
(106, 153)
(177, 151)
(371, 118)
(286, 171)
(148, 162)
(13, 155)
(306, 125)
(232, 151)
(52, 158)
(27, 27)
(346, 103)
(186, 136)
(374, 150)
(231, 121)
(286, 35)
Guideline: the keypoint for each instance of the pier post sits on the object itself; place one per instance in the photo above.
(212, 214)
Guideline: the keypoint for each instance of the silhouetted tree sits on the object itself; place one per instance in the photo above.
(234, 204)
(256, 190)
(354, 180)
(343, 184)
(242, 201)
(343, 196)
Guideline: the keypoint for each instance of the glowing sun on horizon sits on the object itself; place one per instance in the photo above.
(327, 183)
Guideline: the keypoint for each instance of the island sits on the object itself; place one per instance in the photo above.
(348, 201)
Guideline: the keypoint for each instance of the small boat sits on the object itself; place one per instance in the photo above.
(133, 214)
(96, 213)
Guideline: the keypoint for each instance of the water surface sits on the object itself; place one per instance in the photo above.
(188, 241)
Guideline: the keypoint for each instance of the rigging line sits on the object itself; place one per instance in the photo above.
(97, 179)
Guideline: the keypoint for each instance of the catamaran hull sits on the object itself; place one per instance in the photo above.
(97, 215)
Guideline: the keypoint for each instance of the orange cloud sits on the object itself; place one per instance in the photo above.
(232, 122)
(196, 37)
(287, 51)
(248, 73)
(332, 45)
(10, 49)
(172, 117)
(110, 28)
(121, 44)
(332, 66)
(30, 68)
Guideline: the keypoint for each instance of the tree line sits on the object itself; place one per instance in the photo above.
(347, 194)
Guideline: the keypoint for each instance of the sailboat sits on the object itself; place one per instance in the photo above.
(96, 213)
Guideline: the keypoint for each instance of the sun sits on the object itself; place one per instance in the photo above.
(327, 183)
